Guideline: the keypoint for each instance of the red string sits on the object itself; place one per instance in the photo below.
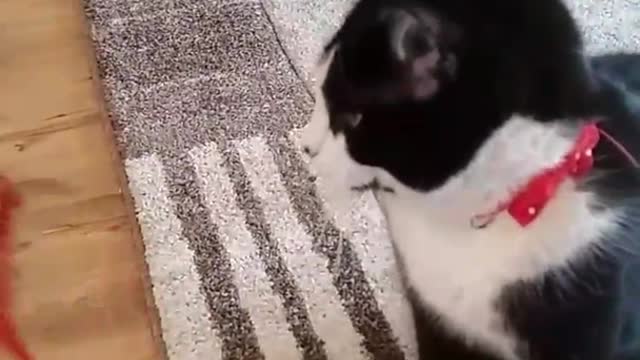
(620, 148)
(9, 337)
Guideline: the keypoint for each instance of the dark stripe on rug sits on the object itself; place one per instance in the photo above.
(355, 292)
(282, 281)
(232, 322)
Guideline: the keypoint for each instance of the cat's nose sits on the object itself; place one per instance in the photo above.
(307, 150)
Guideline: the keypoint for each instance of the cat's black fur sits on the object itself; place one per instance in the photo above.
(498, 58)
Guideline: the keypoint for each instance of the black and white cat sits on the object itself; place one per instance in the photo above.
(504, 160)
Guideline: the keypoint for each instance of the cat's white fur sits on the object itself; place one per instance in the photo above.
(458, 270)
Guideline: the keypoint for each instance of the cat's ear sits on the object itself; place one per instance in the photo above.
(411, 36)
(420, 43)
(395, 55)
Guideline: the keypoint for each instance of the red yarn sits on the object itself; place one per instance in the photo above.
(9, 337)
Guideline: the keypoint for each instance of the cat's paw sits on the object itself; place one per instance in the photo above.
(313, 136)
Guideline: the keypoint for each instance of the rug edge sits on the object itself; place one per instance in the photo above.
(98, 89)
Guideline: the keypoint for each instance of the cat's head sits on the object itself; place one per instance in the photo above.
(416, 86)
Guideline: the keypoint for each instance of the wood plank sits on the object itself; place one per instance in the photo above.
(45, 69)
(61, 168)
(81, 306)
(81, 284)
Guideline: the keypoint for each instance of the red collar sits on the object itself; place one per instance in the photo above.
(530, 201)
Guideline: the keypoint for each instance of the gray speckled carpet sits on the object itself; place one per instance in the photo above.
(206, 98)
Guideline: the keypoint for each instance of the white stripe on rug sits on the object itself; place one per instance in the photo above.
(310, 270)
(187, 329)
(254, 287)
(363, 223)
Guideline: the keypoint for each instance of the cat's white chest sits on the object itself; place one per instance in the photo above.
(459, 271)
(455, 273)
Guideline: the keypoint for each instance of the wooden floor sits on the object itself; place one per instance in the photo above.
(80, 277)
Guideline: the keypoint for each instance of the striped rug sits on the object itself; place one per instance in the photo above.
(207, 99)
